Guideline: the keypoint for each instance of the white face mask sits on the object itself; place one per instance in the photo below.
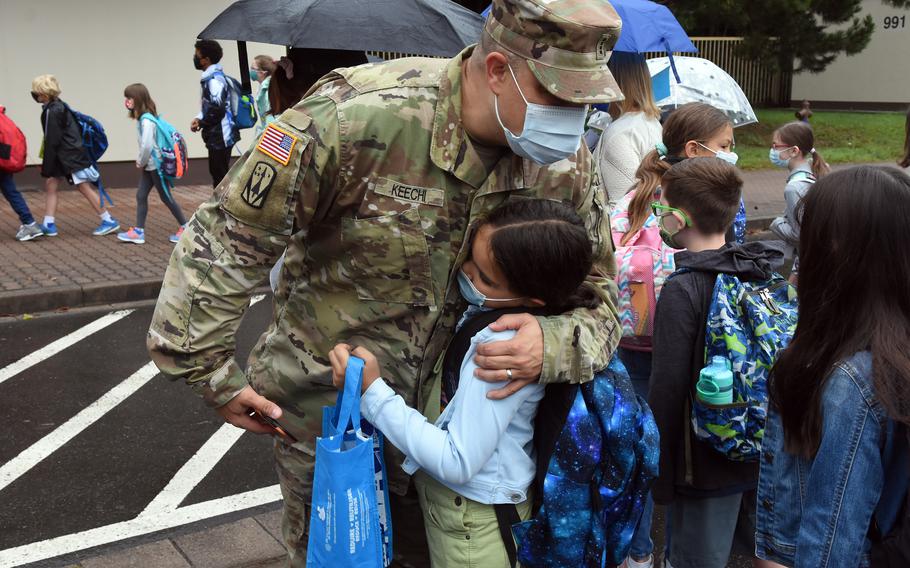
(729, 157)
(550, 134)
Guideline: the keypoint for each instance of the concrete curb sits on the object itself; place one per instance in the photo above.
(758, 223)
(24, 301)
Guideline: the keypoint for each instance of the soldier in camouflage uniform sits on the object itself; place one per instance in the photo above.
(373, 184)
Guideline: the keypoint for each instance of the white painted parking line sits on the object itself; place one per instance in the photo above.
(59, 345)
(34, 454)
(194, 470)
(141, 525)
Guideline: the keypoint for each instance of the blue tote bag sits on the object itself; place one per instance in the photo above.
(350, 520)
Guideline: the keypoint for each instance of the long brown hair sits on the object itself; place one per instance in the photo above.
(693, 121)
(631, 73)
(800, 134)
(142, 101)
(905, 162)
(854, 266)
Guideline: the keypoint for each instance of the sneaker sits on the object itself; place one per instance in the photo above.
(49, 230)
(134, 235)
(106, 227)
(29, 232)
(176, 236)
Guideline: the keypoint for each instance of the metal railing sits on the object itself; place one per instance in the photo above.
(762, 85)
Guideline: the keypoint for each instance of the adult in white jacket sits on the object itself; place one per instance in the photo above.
(635, 128)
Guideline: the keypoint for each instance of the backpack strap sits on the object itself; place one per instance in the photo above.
(802, 175)
(507, 516)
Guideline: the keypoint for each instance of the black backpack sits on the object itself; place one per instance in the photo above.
(893, 549)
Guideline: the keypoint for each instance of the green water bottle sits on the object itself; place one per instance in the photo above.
(715, 382)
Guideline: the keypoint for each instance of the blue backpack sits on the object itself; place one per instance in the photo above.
(94, 141)
(170, 151)
(597, 452)
(242, 106)
(748, 324)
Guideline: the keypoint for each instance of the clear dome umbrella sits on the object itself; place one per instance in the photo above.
(700, 81)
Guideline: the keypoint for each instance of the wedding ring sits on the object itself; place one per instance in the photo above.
(509, 374)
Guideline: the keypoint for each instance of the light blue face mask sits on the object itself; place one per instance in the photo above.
(729, 157)
(474, 296)
(254, 75)
(774, 156)
(551, 133)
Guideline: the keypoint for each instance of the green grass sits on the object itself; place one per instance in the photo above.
(841, 137)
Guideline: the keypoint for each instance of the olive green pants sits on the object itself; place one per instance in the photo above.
(461, 533)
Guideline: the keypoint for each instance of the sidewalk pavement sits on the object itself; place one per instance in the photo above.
(252, 542)
(76, 268)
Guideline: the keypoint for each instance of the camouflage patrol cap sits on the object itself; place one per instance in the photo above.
(567, 44)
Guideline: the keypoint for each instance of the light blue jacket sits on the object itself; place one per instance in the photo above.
(816, 513)
(479, 448)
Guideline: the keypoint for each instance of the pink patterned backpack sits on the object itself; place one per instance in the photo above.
(643, 264)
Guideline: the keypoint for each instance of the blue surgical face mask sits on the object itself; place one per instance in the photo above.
(474, 296)
(550, 134)
(774, 156)
(729, 157)
(254, 75)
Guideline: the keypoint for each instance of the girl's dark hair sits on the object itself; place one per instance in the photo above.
(543, 249)
(854, 268)
(800, 134)
(693, 121)
(142, 100)
(905, 162)
(309, 65)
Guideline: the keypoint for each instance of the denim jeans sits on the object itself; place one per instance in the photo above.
(8, 186)
(638, 363)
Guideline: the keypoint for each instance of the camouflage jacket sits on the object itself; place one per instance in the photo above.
(373, 187)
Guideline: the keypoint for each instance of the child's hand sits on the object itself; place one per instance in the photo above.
(339, 358)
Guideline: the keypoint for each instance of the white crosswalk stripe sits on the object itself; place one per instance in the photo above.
(52, 349)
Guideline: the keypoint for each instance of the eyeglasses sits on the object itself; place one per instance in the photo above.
(780, 146)
(662, 211)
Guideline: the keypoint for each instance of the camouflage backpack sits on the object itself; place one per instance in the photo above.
(749, 323)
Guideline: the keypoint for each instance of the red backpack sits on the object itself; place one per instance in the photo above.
(12, 145)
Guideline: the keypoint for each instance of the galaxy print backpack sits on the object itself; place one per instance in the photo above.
(597, 454)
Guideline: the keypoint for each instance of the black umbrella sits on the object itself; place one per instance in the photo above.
(419, 27)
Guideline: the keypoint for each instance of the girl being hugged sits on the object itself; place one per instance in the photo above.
(793, 147)
(141, 107)
(835, 449)
(529, 254)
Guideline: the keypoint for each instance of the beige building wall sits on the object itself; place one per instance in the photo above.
(97, 47)
(878, 74)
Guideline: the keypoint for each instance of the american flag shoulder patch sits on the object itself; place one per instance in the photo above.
(277, 143)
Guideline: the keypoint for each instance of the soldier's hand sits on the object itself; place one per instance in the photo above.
(237, 411)
(523, 355)
(339, 356)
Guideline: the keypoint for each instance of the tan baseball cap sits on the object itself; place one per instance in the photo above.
(566, 43)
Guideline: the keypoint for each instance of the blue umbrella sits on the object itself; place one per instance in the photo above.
(648, 26)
